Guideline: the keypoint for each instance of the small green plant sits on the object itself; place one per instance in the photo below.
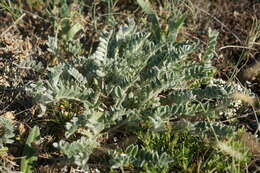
(67, 24)
(30, 153)
(136, 76)
(192, 152)
(133, 156)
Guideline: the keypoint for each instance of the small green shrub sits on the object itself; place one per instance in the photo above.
(137, 76)
(190, 153)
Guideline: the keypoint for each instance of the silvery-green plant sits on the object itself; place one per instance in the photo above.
(140, 158)
(135, 76)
